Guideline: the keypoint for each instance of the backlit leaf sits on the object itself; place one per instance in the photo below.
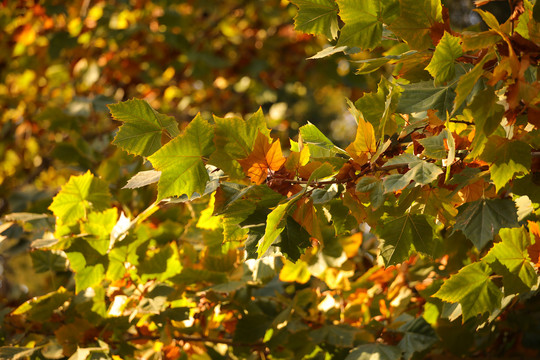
(319, 145)
(143, 126)
(81, 194)
(415, 21)
(424, 95)
(473, 289)
(364, 144)
(506, 158)
(181, 161)
(442, 66)
(264, 157)
(374, 352)
(317, 17)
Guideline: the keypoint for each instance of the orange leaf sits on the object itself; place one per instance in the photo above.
(364, 145)
(534, 249)
(265, 156)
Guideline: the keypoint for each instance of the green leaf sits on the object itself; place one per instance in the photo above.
(421, 172)
(161, 265)
(251, 328)
(275, 223)
(373, 186)
(434, 146)
(473, 289)
(318, 17)
(512, 253)
(364, 21)
(425, 95)
(143, 126)
(418, 336)
(415, 21)
(90, 276)
(467, 82)
(234, 139)
(506, 158)
(374, 352)
(403, 236)
(377, 107)
(49, 260)
(294, 240)
(442, 66)
(319, 145)
(335, 335)
(486, 112)
(482, 219)
(81, 194)
(536, 11)
(41, 308)
(181, 161)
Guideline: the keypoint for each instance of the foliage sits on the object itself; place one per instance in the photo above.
(420, 237)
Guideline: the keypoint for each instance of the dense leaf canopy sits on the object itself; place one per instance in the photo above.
(414, 235)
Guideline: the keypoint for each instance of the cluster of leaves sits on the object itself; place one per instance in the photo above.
(420, 237)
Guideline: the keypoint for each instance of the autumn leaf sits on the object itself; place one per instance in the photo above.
(534, 249)
(265, 156)
(364, 145)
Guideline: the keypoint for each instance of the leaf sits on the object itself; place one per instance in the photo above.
(506, 158)
(403, 236)
(442, 66)
(374, 187)
(275, 223)
(482, 219)
(364, 144)
(364, 21)
(143, 126)
(16, 353)
(88, 277)
(424, 95)
(534, 249)
(161, 265)
(295, 272)
(473, 289)
(294, 240)
(319, 145)
(264, 157)
(512, 253)
(415, 21)
(335, 335)
(434, 146)
(50, 260)
(421, 172)
(418, 336)
(374, 352)
(377, 107)
(318, 17)
(143, 178)
(467, 82)
(181, 161)
(234, 139)
(41, 308)
(81, 194)
(251, 328)
(486, 112)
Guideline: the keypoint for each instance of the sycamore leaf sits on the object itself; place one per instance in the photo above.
(234, 139)
(265, 156)
(434, 146)
(415, 21)
(512, 253)
(534, 249)
(506, 158)
(482, 219)
(403, 236)
(418, 336)
(41, 308)
(317, 17)
(487, 114)
(294, 240)
(425, 95)
(467, 82)
(275, 223)
(319, 145)
(373, 186)
(364, 21)
(473, 289)
(421, 172)
(297, 272)
(374, 352)
(90, 276)
(143, 178)
(181, 161)
(442, 66)
(364, 145)
(81, 194)
(143, 126)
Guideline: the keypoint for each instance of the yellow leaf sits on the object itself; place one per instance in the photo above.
(364, 145)
(295, 272)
